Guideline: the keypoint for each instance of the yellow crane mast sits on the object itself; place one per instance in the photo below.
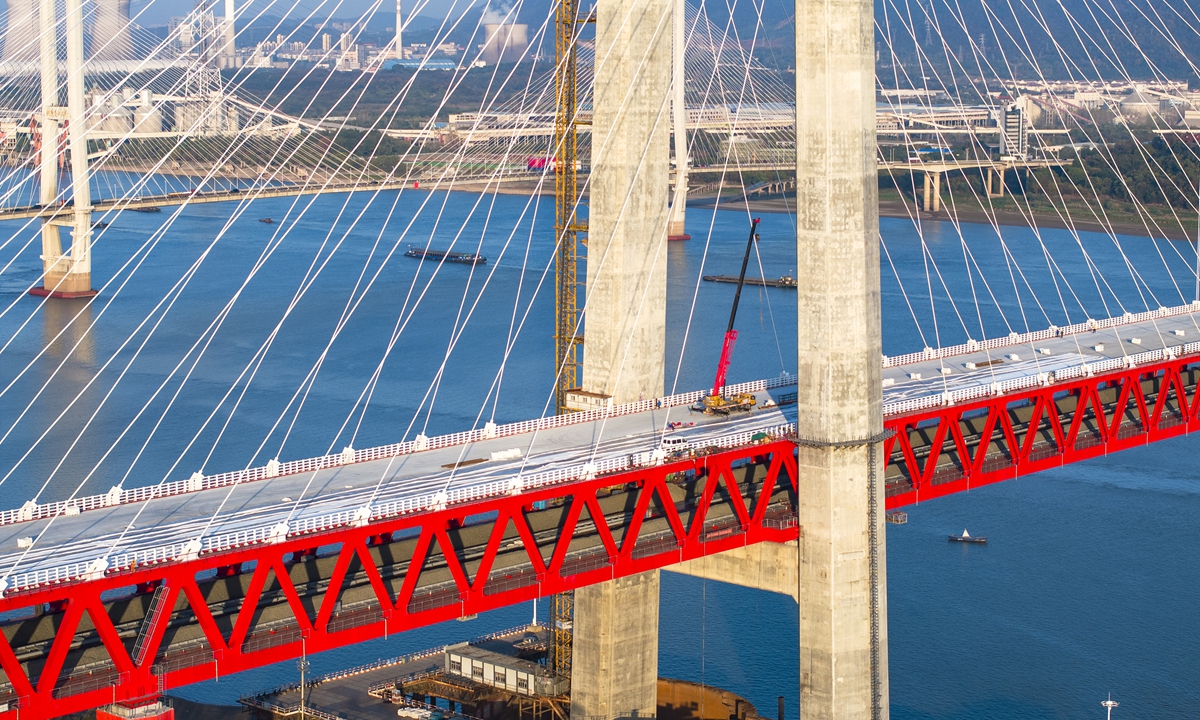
(567, 226)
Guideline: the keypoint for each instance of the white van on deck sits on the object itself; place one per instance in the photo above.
(674, 445)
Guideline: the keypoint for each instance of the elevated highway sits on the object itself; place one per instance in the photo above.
(133, 591)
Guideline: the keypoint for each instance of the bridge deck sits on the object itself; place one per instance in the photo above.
(244, 512)
(405, 483)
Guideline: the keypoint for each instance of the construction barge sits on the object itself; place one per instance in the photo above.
(448, 256)
(786, 281)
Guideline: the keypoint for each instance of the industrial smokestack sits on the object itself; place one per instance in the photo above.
(21, 36)
(228, 48)
(399, 33)
(110, 33)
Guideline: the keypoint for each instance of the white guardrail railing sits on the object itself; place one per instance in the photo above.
(118, 496)
(1031, 337)
(1101, 365)
(192, 549)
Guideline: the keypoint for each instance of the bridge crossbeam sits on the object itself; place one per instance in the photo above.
(72, 646)
(953, 448)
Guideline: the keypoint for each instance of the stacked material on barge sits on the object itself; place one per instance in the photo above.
(786, 281)
(454, 257)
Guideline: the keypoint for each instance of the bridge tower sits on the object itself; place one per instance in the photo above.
(837, 571)
(842, 567)
(615, 657)
(66, 273)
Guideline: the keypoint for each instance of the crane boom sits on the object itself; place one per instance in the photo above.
(730, 333)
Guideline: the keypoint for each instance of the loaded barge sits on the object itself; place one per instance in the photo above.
(787, 281)
(454, 257)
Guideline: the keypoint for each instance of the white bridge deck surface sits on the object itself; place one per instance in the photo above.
(412, 482)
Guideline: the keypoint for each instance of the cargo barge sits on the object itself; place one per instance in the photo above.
(786, 281)
(454, 257)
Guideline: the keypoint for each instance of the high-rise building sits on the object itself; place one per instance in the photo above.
(399, 33)
(1014, 140)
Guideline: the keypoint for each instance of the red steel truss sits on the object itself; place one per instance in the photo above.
(137, 672)
(1037, 429)
(937, 452)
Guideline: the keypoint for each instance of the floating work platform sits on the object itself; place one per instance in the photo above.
(454, 257)
(785, 281)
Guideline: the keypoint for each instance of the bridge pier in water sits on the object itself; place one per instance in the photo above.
(64, 274)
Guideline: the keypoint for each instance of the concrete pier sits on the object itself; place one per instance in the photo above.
(65, 275)
(615, 672)
(615, 651)
(843, 596)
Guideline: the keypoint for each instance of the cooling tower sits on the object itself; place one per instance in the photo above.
(110, 32)
(504, 43)
(21, 36)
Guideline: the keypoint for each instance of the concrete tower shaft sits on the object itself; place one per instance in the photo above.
(625, 315)
(65, 274)
(615, 671)
(843, 595)
(21, 34)
(111, 38)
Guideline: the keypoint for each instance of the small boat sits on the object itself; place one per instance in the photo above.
(966, 537)
(99, 225)
(454, 257)
(266, 220)
(147, 209)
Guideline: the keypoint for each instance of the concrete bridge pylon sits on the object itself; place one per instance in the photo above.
(615, 646)
(842, 569)
(837, 571)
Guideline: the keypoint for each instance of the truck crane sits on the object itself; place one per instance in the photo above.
(717, 403)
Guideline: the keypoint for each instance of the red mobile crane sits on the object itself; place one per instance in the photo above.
(717, 403)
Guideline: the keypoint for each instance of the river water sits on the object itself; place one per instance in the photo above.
(1087, 585)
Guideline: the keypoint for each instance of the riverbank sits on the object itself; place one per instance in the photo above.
(898, 208)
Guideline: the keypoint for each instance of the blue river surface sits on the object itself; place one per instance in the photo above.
(216, 344)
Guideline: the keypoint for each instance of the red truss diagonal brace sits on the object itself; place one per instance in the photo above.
(242, 647)
(1073, 414)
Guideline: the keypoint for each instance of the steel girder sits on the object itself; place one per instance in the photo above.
(138, 667)
(953, 448)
